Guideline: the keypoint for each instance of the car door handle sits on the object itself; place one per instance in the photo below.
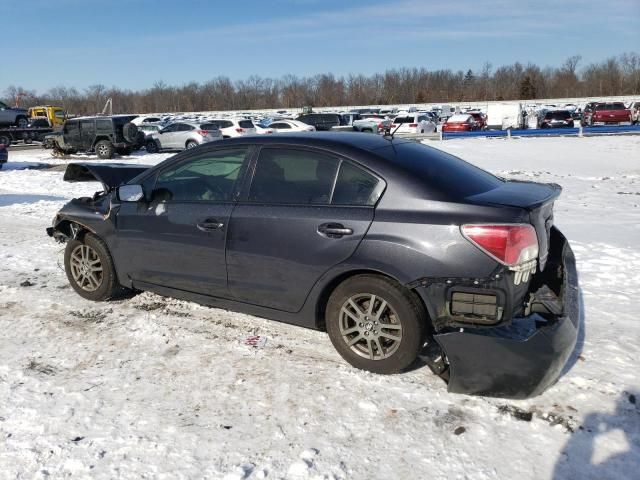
(334, 230)
(209, 225)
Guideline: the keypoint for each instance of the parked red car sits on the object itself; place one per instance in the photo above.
(459, 123)
(610, 113)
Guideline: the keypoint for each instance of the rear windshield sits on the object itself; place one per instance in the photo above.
(610, 106)
(560, 115)
(446, 174)
(246, 124)
(404, 120)
(209, 126)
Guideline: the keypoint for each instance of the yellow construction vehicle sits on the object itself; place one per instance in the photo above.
(56, 116)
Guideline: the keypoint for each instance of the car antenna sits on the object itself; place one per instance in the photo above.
(394, 132)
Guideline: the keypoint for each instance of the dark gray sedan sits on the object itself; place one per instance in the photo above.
(396, 249)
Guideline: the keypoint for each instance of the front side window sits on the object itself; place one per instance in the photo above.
(293, 177)
(209, 178)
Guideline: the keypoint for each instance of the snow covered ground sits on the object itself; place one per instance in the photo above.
(150, 387)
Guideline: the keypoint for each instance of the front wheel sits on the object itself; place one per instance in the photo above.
(22, 122)
(89, 268)
(375, 324)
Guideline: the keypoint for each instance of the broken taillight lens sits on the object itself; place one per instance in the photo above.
(511, 245)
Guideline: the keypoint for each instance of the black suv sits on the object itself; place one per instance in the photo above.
(103, 135)
(322, 121)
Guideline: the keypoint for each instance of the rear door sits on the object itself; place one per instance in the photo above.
(182, 134)
(178, 239)
(304, 212)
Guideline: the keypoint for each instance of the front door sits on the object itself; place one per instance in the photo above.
(177, 239)
(295, 223)
(166, 136)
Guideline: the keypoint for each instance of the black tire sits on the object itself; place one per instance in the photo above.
(152, 146)
(403, 309)
(191, 144)
(130, 132)
(5, 140)
(107, 283)
(104, 149)
(22, 122)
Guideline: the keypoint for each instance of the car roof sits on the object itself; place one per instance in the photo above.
(329, 140)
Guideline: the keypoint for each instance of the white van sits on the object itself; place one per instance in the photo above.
(501, 116)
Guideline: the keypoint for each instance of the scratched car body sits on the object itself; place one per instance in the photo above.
(395, 249)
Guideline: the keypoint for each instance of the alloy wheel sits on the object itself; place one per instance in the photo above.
(86, 268)
(370, 326)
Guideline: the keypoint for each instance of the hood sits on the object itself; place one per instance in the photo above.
(111, 175)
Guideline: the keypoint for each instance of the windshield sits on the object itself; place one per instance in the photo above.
(404, 120)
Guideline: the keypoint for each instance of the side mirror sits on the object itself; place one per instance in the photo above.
(130, 193)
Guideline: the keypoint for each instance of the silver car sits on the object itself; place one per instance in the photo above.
(181, 135)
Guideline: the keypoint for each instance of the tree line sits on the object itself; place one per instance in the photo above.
(618, 75)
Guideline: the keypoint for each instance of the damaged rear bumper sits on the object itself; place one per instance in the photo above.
(524, 358)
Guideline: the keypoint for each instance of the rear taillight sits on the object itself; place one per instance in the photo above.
(511, 245)
(413, 125)
(202, 132)
(394, 126)
(239, 130)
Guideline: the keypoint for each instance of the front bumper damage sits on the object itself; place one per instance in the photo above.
(524, 358)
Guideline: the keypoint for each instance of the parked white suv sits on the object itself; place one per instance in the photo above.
(181, 135)
(234, 127)
(410, 123)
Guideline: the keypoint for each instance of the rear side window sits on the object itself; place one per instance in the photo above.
(246, 124)
(104, 125)
(441, 172)
(292, 176)
(208, 178)
(355, 186)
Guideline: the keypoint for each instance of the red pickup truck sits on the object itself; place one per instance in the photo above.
(610, 113)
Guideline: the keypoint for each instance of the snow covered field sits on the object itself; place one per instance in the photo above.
(150, 387)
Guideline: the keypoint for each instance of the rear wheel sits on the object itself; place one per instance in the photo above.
(104, 149)
(375, 323)
(191, 144)
(5, 140)
(89, 268)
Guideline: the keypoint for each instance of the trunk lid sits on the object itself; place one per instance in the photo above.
(536, 198)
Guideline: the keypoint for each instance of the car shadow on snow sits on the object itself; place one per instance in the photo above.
(19, 198)
(617, 432)
(25, 166)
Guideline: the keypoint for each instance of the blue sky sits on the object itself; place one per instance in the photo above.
(134, 43)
